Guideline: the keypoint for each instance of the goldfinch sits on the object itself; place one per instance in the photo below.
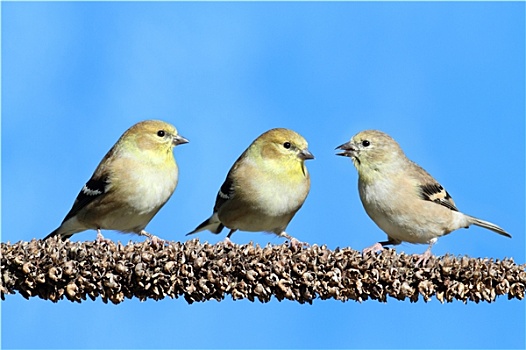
(132, 182)
(407, 203)
(265, 187)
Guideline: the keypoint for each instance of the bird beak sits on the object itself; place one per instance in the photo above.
(305, 154)
(179, 140)
(348, 150)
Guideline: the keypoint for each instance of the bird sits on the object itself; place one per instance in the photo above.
(403, 199)
(129, 186)
(265, 187)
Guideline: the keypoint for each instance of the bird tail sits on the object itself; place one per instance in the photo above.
(488, 225)
(58, 233)
(211, 224)
(67, 229)
(52, 234)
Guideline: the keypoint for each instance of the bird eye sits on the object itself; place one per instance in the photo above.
(161, 133)
(365, 143)
(286, 145)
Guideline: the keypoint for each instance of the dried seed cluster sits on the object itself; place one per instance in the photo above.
(54, 270)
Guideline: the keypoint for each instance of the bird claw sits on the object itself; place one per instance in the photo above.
(296, 244)
(155, 241)
(373, 249)
(158, 242)
(228, 243)
(423, 258)
(100, 238)
(293, 242)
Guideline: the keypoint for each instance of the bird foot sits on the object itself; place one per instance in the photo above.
(156, 241)
(100, 238)
(296, 244)
(372, 249)
(228, 243)
(423, 258)
(293, 242)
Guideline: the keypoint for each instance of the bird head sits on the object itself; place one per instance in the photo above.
(284, 143)
(371, 149)
(154, 135)
(284, 147)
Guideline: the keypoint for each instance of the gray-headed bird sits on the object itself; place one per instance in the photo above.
(407, 203)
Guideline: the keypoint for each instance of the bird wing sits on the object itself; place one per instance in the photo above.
(429, 189)
(225, 193)
(434, 192)
(94, 188)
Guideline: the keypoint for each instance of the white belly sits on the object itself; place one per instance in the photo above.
(418, 221)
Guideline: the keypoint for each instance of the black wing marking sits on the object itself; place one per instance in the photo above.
(91, 190)
(436, 193)
(225, 193)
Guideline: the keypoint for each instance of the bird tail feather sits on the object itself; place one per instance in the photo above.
(52, 234)
(488, 225)
(211, 224)
(58, 233)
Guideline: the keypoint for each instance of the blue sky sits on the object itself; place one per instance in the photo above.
(447, 80)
